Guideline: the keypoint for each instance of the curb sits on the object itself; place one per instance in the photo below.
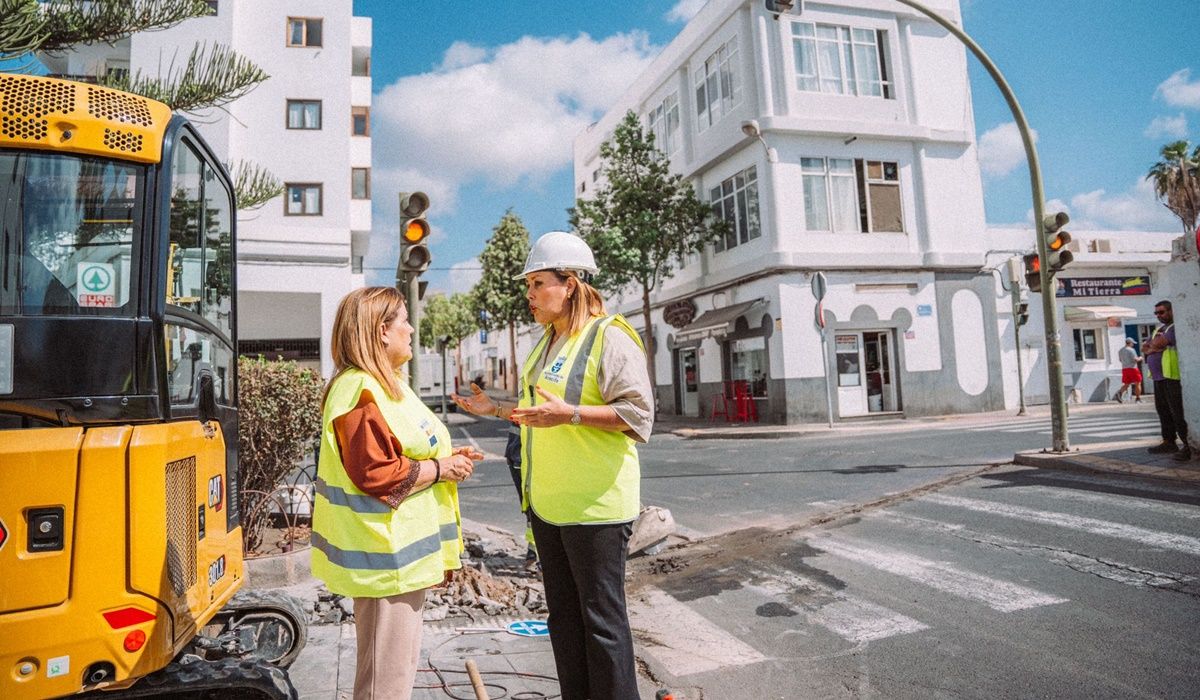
(1091, 462)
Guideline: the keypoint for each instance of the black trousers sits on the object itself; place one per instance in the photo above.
(1168, 401)
(583, 567)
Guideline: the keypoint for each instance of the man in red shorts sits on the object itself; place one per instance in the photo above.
(1131, 376)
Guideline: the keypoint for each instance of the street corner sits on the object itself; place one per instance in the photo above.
(1128, 458)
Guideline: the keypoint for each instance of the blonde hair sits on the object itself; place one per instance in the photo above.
(356, 341)
(584, 305)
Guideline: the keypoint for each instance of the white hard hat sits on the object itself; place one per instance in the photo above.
(559, 250)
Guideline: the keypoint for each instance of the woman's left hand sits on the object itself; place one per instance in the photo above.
(472, 454)
(553, 411)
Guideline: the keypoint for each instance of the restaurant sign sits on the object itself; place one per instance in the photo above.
(1103, 286)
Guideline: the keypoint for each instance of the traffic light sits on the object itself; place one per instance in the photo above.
(414, 229)
(1022, 313)
(1057, 255)
(1033, 272)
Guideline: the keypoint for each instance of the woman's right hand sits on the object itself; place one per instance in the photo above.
(457, 467)
(477, 403)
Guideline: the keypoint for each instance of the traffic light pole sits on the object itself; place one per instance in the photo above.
(1016, 312)
(413, 281)
(1058, 403)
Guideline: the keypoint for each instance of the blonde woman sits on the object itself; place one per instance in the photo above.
(585, 401)
(385, 521)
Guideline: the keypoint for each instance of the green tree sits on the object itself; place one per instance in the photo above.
(643, 220)
(499, 299)
(450, 317)
(211, 77)
(1176, 181)
(279, 412)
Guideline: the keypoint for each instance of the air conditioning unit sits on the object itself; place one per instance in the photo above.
(1100, 245)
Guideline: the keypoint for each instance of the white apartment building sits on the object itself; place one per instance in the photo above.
(866, 170)
(309, 125)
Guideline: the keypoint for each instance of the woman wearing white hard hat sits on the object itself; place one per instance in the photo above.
(585, 401)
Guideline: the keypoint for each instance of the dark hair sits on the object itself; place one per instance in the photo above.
(1165, 303)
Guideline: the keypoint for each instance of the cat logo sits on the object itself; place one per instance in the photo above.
(216, 492)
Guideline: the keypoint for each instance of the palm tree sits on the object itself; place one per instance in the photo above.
(1176, 181)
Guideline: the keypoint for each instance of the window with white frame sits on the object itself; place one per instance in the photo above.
(304, 114)
(663, 122)
(841, 60)
(360, 183)
(849, 195)
(736, 202)
(1089, 344)
(718, 85)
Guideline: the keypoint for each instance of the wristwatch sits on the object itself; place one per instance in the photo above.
(575, 417)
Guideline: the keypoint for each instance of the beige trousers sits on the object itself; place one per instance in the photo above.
(388, 632)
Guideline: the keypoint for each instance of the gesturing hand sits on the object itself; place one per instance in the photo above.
(553, 411)
(477, 403)
(470, 452)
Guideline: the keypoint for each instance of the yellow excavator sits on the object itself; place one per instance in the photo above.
(120, 535)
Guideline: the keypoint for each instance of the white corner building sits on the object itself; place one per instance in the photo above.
(838, 140)
(309, 125)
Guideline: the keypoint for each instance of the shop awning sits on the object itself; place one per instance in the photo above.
(1097, 313)
(716, 323)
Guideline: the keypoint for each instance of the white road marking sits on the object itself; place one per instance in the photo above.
(996, 594)
(1104, 432)
(1175, 510)
(849, 617)
(1153, 538)
(475, 444)
(1111, 570)
(686, 642)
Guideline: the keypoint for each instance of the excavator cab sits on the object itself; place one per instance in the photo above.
(120, 539)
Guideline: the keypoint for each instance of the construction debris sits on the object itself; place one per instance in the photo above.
(494, 581)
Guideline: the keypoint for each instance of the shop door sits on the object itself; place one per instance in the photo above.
(878, 364)
(851, 384)
(689, 382)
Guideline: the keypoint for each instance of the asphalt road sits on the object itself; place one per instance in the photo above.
(903, 563)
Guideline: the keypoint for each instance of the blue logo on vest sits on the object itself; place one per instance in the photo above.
(529, 628)
(562, 360)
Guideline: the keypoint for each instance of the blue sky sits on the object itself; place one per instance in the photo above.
(479, 108)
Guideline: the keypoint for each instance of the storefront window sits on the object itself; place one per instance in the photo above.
(748, 363)
(1088, 344)
(848, 368)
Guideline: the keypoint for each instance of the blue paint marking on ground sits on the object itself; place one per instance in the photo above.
(529, 628)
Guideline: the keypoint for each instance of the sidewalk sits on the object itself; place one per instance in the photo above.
(1124, 457)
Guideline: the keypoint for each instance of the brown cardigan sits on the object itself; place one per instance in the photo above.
(371, 454)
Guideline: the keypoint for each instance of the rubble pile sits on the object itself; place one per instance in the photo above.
(495, 580)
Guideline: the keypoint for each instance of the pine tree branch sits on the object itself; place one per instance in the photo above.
(253, 185)
(210, 79)
(23, 28)
(71, 22)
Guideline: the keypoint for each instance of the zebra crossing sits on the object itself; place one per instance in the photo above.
(912, 568)
(1098, 428)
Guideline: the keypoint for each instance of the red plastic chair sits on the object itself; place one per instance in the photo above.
(745, 409)
(724, 405)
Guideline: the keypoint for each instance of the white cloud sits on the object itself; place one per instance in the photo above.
(684, 10)
(1001, 150)
(1178, 91)
(1170, 127)
(1135, 209)
(500, 116)
(463, 276)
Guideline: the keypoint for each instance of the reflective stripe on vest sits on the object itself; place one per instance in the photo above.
(1170, 356)
(361, 546)
(574, 474)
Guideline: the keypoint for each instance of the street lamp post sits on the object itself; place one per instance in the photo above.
(1058, 404)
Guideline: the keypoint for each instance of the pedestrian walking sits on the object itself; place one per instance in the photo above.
(585, 402)
(385, 521)
(1162, 357)
(1131, 376)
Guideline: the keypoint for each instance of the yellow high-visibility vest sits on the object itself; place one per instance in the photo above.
(573, 474)
(361, 547)
(1170, 356)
